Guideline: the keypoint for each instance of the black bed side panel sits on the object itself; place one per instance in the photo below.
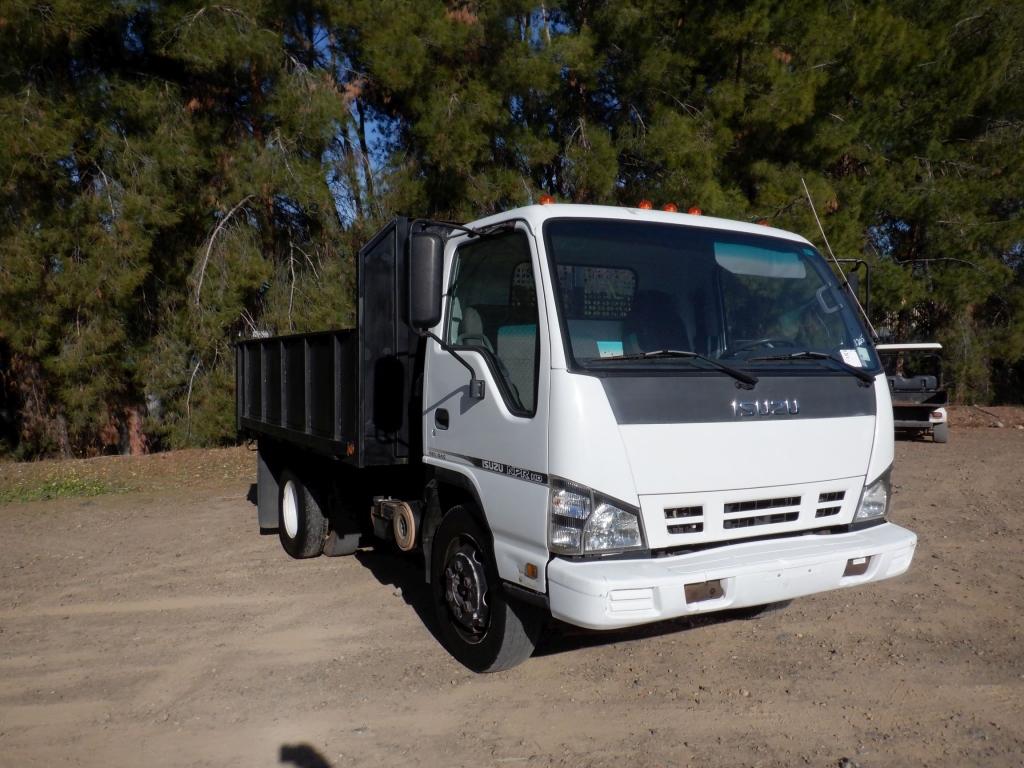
(301, 389)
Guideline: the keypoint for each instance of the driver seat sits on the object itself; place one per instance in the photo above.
(471, 332)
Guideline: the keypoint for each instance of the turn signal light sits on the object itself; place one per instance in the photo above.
(546, 200)
(645, 204)
(670, 207)
(695, 211)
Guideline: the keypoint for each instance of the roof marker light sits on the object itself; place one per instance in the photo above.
(670, 207)
(763, 222)
(546, 200)
(695, 211)
(645, 204)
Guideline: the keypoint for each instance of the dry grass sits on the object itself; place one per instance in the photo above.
(53, 479)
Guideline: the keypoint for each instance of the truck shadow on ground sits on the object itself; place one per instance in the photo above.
(565, 638)
(405, 574)
(302, 756)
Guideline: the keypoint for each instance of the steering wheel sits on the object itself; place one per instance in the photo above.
(769, 341)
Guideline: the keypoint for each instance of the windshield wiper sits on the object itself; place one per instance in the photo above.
(740, 376)
(808, 354)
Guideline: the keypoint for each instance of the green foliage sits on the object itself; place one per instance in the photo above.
(64, 484)
(163, 173)
(174, 175)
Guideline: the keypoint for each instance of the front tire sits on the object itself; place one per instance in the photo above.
(476, 622)
(301, 526)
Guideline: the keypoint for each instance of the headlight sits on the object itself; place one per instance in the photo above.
(585, 522)
(874, 501)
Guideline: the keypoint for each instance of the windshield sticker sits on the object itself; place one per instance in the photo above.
(850, 357)
(865, 356)
(609, 348)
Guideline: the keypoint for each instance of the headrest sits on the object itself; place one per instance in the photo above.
(472, 324)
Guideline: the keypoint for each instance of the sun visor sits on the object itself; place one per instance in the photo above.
(757, 261)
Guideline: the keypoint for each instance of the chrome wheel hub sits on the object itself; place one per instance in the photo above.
(466, 589)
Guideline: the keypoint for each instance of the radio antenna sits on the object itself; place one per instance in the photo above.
(846, 281)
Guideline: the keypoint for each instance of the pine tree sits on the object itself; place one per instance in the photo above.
(175, 175)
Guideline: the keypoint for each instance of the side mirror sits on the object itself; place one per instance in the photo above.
(426, 267)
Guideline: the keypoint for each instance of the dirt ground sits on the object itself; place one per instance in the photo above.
(156, 627)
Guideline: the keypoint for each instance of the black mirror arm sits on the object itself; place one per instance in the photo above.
(493, 229)
(476, 386)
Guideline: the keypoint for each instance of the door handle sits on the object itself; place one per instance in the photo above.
(441, 419)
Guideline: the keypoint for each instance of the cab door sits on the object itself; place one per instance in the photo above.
(495, 322)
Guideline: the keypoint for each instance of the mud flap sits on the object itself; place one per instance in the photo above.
(338, 545)
(267, 493)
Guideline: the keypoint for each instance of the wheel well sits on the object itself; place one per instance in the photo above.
(447, 490)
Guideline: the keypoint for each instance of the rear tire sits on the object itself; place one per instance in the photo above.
(477, 623)
(302, 526)
(940, 433)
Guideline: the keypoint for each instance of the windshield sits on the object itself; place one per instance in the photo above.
(912, 368)
(625, 288)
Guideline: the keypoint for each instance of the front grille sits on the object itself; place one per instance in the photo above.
(697, 518)
(673, 513)
(756, 505)
(687, 528)
(759, 504)
(746, 522)
(677, 513)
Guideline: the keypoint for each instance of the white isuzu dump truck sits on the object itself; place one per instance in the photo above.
(611, 416)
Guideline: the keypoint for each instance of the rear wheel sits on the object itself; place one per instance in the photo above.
(940, 433)
(302, 526)
(477, 623)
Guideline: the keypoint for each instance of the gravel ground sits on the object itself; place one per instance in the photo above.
(154, 626)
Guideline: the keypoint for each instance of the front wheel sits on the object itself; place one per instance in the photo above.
(476, 622)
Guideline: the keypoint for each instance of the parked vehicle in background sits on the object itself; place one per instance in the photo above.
(611, 416)
(914, 373)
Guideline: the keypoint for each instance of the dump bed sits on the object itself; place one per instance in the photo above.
(302, 389)
(347, 394)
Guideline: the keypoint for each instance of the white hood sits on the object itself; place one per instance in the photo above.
(689, 458)
(698, 482)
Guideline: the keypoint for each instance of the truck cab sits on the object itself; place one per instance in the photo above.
(630, 415)
(627, 480)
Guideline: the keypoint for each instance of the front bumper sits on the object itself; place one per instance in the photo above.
(622, 593)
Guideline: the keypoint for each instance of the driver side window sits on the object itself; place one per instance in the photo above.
(493, 310)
